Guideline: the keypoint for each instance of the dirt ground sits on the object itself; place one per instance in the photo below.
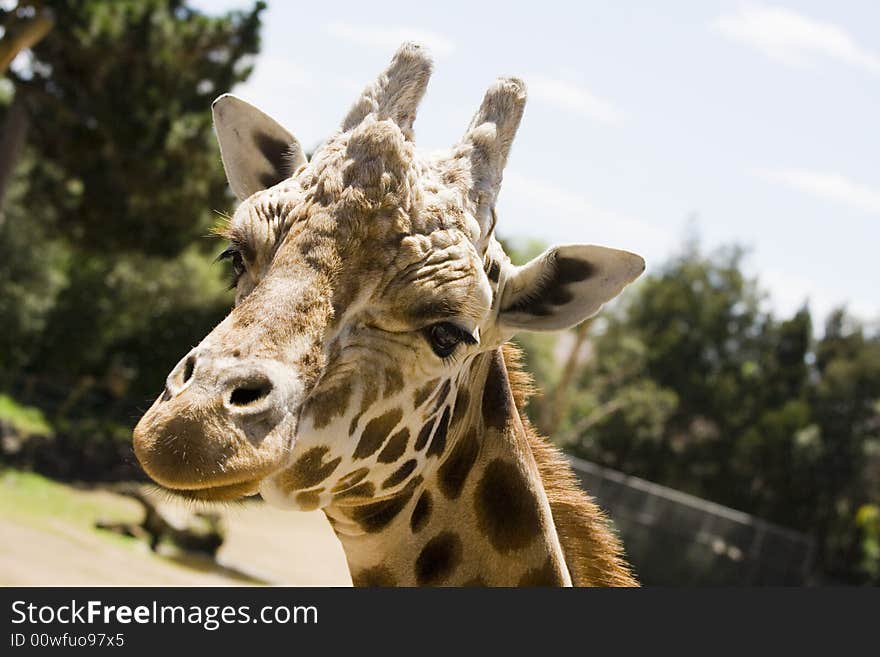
(48, 537)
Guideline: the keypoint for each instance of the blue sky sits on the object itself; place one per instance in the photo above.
(758, 122)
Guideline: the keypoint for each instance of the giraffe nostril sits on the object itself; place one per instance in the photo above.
(250, 393)
(188, 368)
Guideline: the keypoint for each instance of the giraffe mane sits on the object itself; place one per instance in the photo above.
(593, 552)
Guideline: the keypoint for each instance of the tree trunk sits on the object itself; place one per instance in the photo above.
(558, 403)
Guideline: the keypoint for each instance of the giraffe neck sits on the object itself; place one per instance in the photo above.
(478, 516)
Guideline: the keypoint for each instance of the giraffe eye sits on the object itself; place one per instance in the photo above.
(238, 267)
(237, 264)
(444, 337)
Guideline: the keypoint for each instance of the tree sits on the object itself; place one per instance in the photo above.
(691, 383)
(117, 97)
(697, 328)
(846, 408)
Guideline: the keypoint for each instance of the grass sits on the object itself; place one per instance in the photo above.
(25, 419)
(43, 503)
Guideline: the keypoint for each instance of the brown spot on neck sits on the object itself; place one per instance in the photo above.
(400, 474)
(424, 434)
(375, 433)
(421, 395)
(461, 406)
(395, 447)
(309, 470)
(368, 400)
(350, 479)
(546, 575)
(453, 473)
(375, 576)
(375, 516)
(421, 512)
(364, 490)
(438, 443)
(507, 510)
(498, 406)
(441, 396)
(438, 559)
(327, 404)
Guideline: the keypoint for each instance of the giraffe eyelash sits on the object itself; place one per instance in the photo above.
(445, 338)
(233, 253)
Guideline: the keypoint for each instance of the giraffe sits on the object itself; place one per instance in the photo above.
(365, 368)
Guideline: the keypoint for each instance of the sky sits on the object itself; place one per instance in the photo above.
(749, 123)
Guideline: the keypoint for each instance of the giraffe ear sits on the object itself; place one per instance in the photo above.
(257, 152)
(566, 285)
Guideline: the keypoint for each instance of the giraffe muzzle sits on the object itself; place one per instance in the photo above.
(222, 425)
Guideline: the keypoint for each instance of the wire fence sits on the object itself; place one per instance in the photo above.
(672, 538)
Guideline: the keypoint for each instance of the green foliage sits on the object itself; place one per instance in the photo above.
(118, 93)
(26, 420)
(33, 273)
(121, 172)
(692, 384)
(132, 317)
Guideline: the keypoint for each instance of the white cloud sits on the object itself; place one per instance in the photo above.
(827, 185)
(389, 38)
(574, 98)
(793, 38)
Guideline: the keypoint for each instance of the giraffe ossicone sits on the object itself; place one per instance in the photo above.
(364, 369)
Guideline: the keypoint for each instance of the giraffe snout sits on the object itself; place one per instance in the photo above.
(222, 424)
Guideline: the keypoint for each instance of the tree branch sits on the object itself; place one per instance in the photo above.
(23, 34)
(558, 403)
(605, 410)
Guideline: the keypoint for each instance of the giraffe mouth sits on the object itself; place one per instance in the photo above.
(222, 493)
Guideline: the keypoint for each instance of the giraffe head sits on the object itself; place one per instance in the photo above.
(367, 280)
